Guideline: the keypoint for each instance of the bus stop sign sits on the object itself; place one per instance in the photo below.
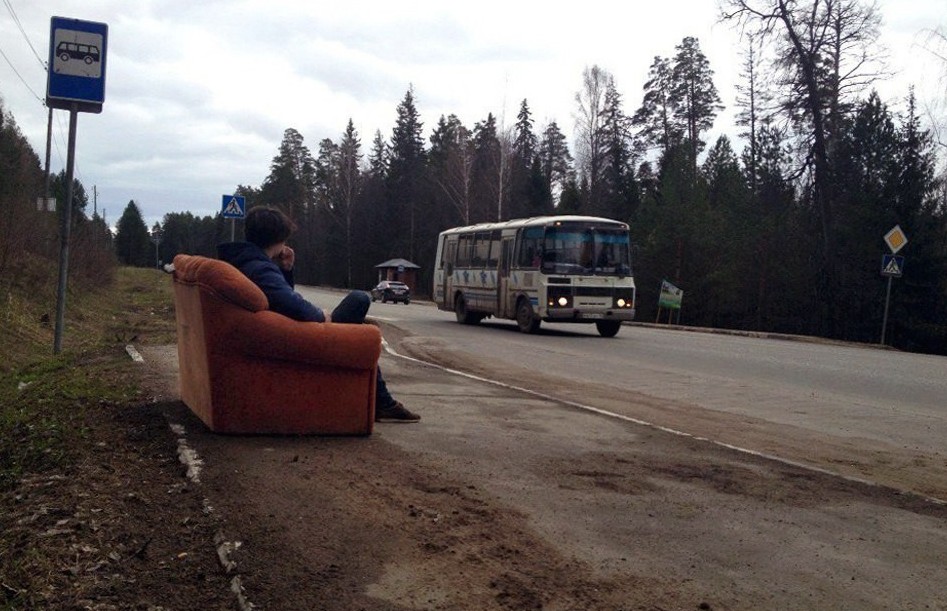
(76, 75)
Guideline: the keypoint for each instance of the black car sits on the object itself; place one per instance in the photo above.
(391, 290)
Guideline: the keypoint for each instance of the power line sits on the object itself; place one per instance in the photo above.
(16, 20)
(22, 80)
(43, 65)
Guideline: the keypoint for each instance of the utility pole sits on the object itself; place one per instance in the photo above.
(49, 141)
(65, 227)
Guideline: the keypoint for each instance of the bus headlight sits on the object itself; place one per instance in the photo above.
(625, 300)
(558, 299)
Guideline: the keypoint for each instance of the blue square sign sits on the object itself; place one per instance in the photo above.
(233, 207)
(77, 53)
(892, 265)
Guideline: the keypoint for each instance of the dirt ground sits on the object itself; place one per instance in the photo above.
(495, 500)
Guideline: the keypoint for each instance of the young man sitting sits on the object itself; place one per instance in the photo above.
(268, 262)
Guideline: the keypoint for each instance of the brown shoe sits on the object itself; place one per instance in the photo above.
(395, 413)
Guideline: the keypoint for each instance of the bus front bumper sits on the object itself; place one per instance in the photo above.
(573, 315)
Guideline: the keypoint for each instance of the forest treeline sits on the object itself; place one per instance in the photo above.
(29, 233)
(783, 235)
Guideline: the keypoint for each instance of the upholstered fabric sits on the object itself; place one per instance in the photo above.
(245, 369)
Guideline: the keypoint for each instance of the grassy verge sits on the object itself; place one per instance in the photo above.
(44, 397)
(73, 448)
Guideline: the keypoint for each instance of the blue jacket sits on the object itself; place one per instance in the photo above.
(275, 283)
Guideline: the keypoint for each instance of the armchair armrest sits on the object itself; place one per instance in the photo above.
(267, 334)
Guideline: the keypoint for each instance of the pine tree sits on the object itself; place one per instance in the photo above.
(132, 244)
(406, 179)
(657, 116)
(555, 162)
(527, 194)
(451, 165)
(525, 142)
(291, 182)
(487, 170)
(696, 99)
(920, 304)
(347, 167)
(619, 190)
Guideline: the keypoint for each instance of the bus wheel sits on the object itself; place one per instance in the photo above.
(463, 315)
(608, 328)
(525, 319)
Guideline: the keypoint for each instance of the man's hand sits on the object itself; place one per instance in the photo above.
(286, 258)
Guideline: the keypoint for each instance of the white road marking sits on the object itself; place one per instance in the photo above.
(652, 425)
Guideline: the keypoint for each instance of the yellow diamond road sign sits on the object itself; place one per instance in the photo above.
(895, 239)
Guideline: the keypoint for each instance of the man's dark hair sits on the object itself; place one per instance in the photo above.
(266, 225)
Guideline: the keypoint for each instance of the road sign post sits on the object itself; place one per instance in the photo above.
(233, 207)
(892, 267)
(75, 82)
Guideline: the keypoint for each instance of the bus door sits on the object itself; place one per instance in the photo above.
(504, 307)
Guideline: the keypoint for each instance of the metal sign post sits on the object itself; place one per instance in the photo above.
(75, 82)
(233, 207)
(891, 266)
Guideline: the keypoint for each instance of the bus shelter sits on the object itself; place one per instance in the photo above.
(401, 270)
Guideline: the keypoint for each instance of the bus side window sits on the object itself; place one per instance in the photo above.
(476, 251)
(463, 251)
(494, 256)
(524, 253)
(450, 255)
(530, 248)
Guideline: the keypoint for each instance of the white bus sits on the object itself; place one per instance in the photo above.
(550, 268)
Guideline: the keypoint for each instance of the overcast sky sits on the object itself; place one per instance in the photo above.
(198, 93)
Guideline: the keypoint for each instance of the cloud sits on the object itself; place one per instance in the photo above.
(199, 93)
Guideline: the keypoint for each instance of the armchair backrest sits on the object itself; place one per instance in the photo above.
(220, 278)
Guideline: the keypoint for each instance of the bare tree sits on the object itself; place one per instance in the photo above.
(935, 44)
(824, 51)
(590, 141)
(751, 98)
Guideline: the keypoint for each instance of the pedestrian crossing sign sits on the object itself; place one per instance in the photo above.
(892, 265)
(233, 207)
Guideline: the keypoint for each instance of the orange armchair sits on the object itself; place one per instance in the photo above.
(245, 369)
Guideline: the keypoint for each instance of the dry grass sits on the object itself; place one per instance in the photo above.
(86, 463)
(136, 306)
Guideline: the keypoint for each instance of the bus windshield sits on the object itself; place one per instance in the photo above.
(586, 251)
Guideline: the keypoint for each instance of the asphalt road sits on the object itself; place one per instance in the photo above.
(864, 397)
(848, 390)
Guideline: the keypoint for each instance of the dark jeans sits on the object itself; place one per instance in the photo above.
(352, 310)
